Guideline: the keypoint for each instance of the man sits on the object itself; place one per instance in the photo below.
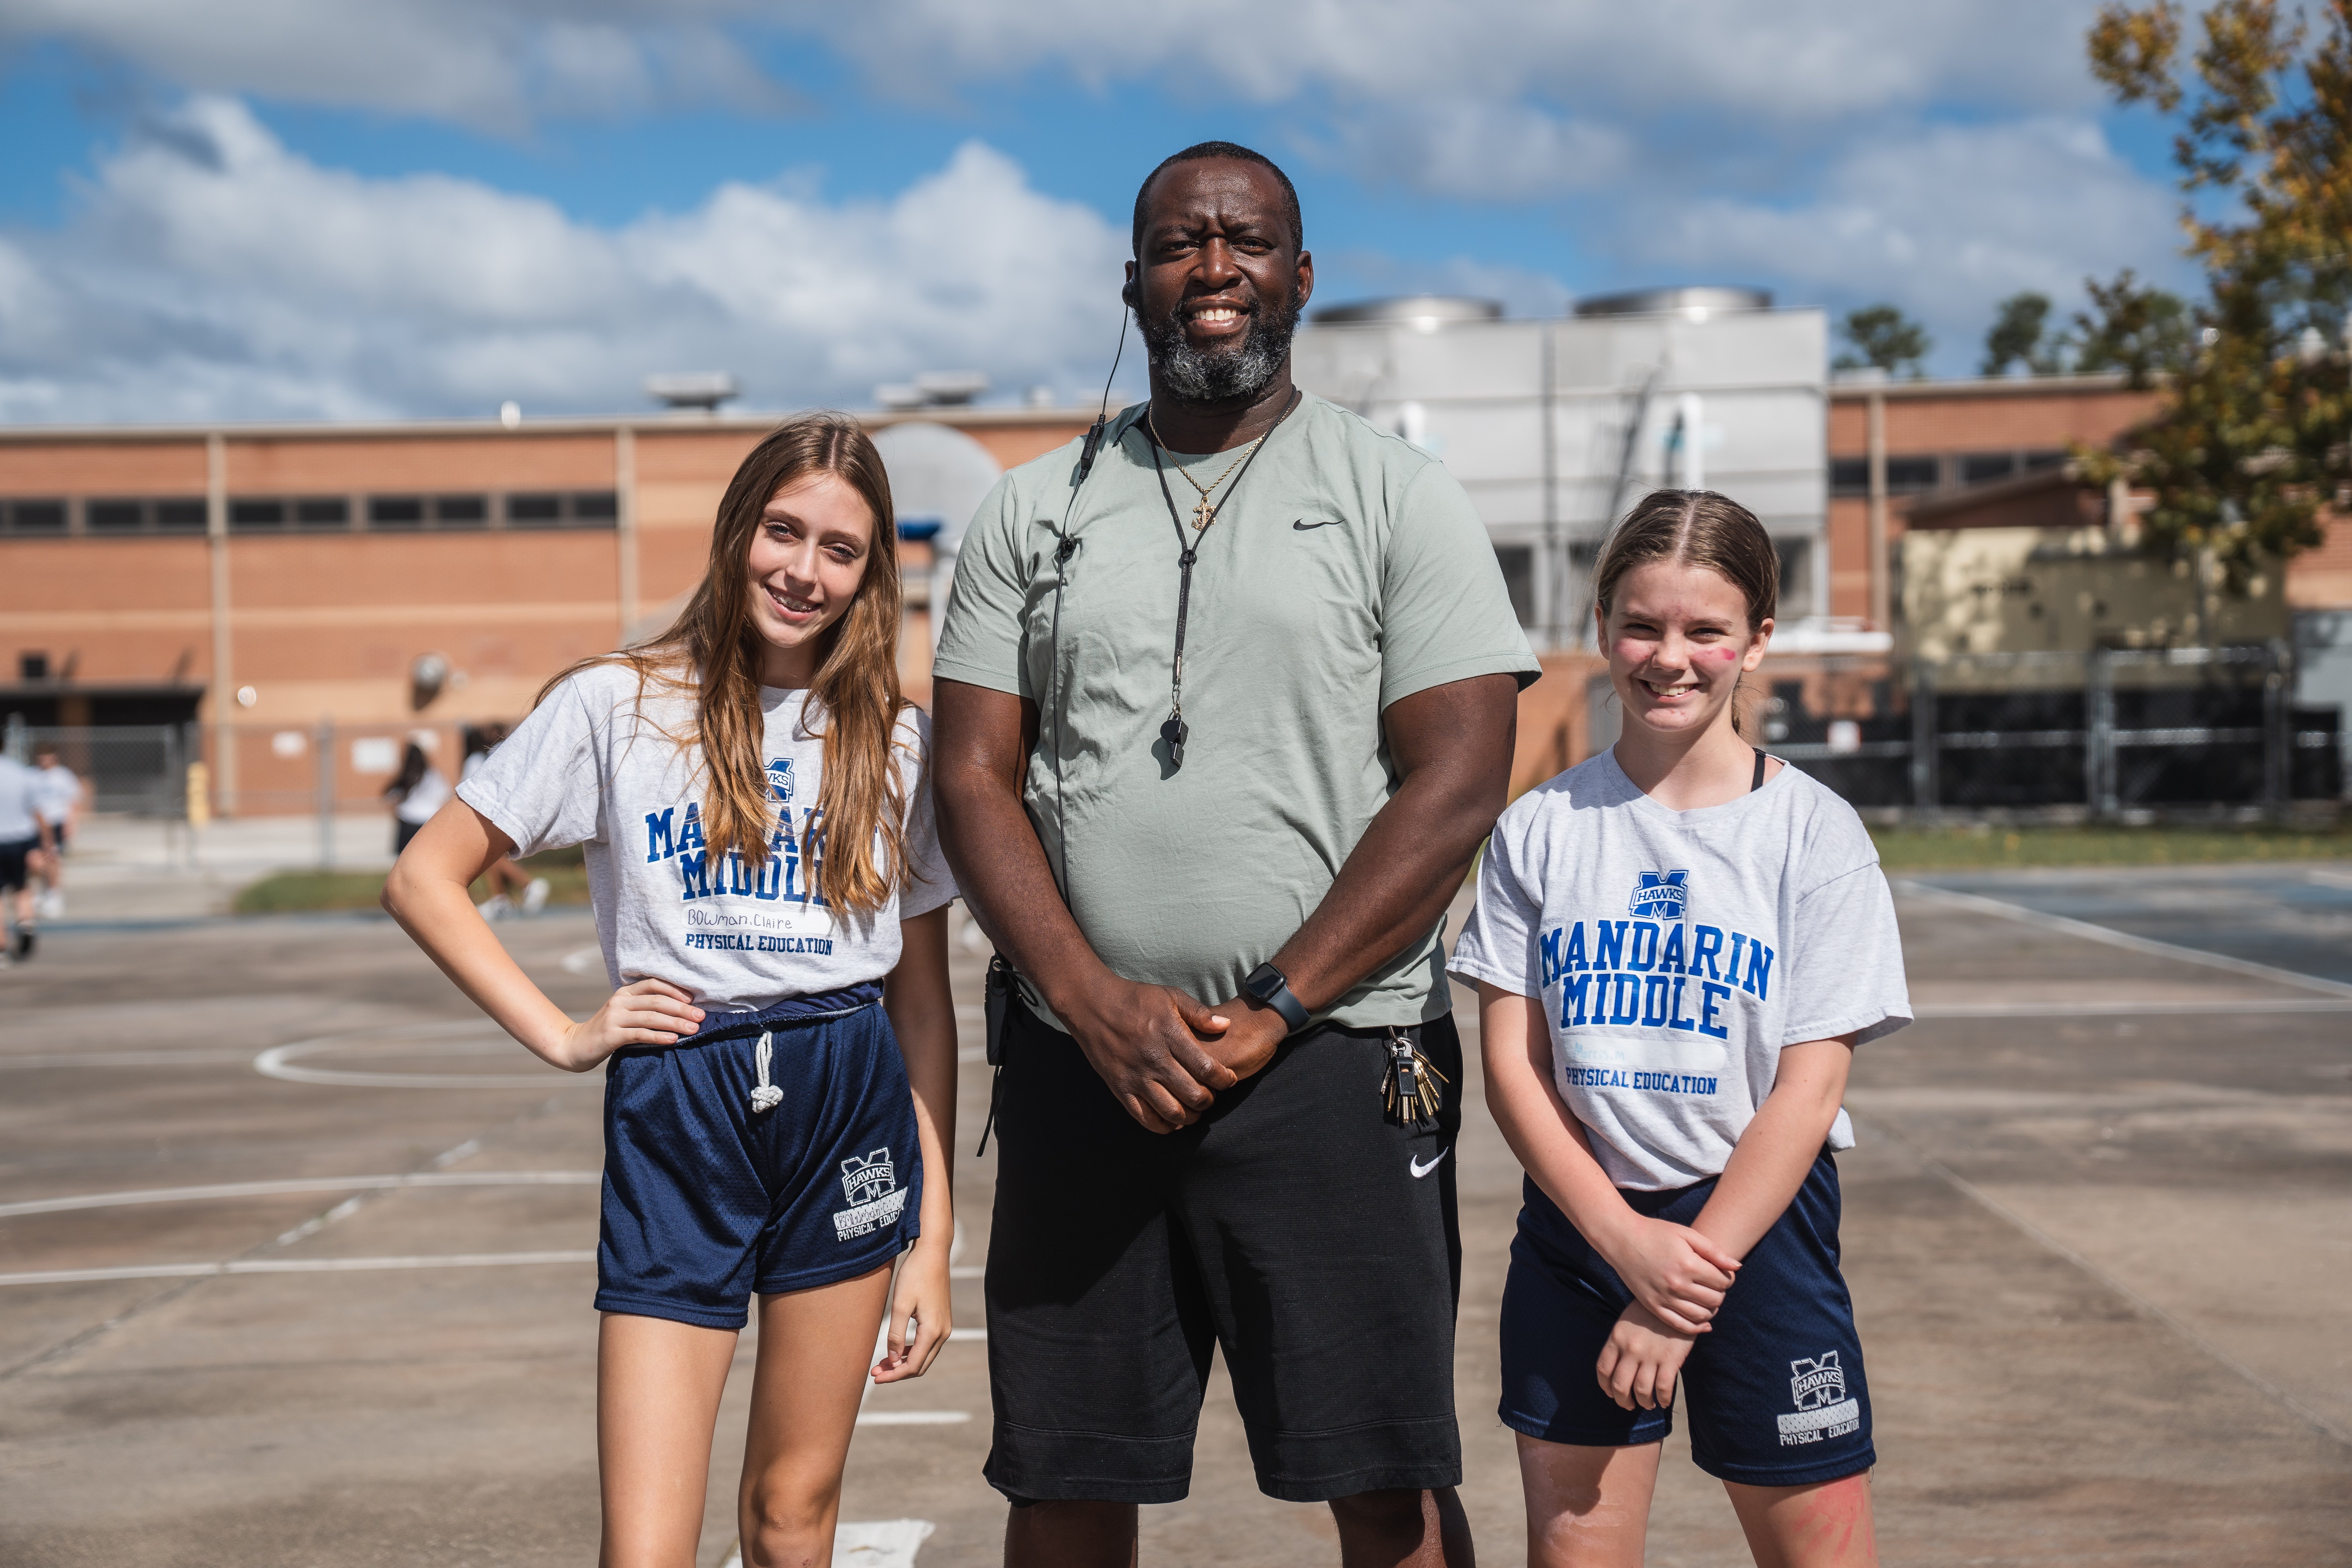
(60, 803)
(24, 840)
(1222, 717)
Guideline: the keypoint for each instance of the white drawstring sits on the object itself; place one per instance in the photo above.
(767, 1096)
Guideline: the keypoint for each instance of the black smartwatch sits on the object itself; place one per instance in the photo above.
(1266, 985)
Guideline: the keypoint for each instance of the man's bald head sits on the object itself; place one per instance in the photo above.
(1200, 151)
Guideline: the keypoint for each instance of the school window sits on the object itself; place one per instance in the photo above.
(401, 513)
(1984, 467)
(1519, 564)
(248, 516)
(320, 514)
(581, 508)
(185, 516)
(32, 518)
(1849, 476)
(115, 516)
(1909, 476)
(461, 512)
(535, 511)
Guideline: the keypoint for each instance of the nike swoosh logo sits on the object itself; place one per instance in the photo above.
(1420, 1169)
(1302, 525)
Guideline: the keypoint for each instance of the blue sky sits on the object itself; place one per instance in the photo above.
(324, 208)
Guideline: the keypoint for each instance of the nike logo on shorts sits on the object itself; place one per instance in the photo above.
(1302, 525)
(1420, 1169)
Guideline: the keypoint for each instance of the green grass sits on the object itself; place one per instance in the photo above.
(309, 892)
(1980, 847)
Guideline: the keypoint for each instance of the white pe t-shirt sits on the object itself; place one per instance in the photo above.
(593, 765)
(1677, 953)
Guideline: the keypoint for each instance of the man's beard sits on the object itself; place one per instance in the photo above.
(1225, 374)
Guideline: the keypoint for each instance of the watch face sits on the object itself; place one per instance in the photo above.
(1264, 983)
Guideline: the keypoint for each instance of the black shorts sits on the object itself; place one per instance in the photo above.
(1292, 1225)
(13, 852)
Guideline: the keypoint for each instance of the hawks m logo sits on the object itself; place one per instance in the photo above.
(1660, 896)
(780, 781)
(863, 1180)
(1816, 1383)
(876, 1198)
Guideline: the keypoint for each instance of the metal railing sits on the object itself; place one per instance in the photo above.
(2111, 732)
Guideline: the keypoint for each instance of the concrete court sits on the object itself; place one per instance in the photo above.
(2096, 1231)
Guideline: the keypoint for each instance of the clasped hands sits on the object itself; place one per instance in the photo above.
(1165, 1057)
(1679, 1279)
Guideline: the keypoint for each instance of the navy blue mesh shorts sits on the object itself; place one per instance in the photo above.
(710, 1197)
(1774, 1391)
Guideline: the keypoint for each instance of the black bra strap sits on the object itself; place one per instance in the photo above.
(1759, 781)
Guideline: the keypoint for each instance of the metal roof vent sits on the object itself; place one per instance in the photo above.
(1426, 312)
(692, 389)
(1690, 304)
(934, 389)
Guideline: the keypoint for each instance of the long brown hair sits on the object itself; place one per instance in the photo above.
(1697, 528)
(714, 650)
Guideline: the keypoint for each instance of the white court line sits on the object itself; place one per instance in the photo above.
(2329, 878)
(292, 1266)
(278, 1062)
(304, 1185)
(2085, 928)
(127, 1059)
(912, 1418)
(2117, 1010)
(958, 1336)
(583, 960)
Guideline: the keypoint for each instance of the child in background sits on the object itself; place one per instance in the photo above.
(507, 878)
(1677, 946)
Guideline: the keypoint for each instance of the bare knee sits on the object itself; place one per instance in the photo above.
(788, 1524)
(1098, 1534)
(1392, 1512)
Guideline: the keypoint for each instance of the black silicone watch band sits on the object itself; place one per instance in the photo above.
(1275, 996)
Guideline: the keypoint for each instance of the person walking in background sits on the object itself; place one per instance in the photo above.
(60, 803)
(1677, 945)
(418, 791)
(1225, 705)
(24, 840)
(754, 796)
(511, 887)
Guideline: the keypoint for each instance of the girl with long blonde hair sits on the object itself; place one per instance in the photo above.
(754, 796)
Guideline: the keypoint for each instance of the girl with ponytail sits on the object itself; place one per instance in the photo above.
(754, 796)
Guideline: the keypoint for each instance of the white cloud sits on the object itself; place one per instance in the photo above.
(1944, 222)
(212, 272)
(497, 65)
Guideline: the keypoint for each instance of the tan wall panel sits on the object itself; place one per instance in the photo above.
(139, 654)
(1015, 444)
(560, 566)
(478, 646)
(1995, 423)
(492, 461)
(2321, 579)
(103, 468)
(692, 457)
(120, 574)
(679, 503)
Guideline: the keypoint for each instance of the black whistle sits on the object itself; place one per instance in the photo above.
(1174, 733)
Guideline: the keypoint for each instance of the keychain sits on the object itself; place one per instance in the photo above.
(1409, 1093)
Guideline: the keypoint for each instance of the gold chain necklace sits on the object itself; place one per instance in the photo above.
(1205, 512)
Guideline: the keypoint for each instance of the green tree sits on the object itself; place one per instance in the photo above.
(2018, 337)
(1883, 336)
(2140, 331)
(2251, 440)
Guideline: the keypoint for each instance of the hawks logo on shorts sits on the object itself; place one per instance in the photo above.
(780, 781)
(876, 1198)
(1660, 896)
(1818, 1389)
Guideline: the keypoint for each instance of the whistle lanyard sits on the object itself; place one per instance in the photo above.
(1175, 730)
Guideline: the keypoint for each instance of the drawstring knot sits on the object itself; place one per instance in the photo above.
(767, 1096)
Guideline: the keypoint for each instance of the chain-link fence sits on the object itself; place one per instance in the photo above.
(137, 768)
(2114, 731)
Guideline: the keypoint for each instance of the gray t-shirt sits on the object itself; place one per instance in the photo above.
(1677, 953)
(20, 798)
(593, 765)
(1345, 570)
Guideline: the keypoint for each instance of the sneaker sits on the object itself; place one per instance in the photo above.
(535, 898)
(24, 948)
(495, 907)
(51, 905)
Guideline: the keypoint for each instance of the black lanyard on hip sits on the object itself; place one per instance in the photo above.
(1175, 730)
